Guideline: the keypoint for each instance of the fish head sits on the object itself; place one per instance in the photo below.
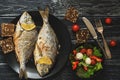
(26, 18)
(43, 69)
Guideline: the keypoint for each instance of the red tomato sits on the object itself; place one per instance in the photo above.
(83, 50)
(74, 67)
(89, 52)
(74, 52)
(113, 43)
(85, 68)
(108, 20)
(96, 58)
(75, 64)
(75, 28)
(93, 62)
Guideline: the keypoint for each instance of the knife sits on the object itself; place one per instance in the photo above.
(93, 33)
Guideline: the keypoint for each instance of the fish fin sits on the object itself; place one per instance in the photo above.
(18, 32)
(37, 51)
(17, 58)
(47, 11)
(22, 73)
(44, 14)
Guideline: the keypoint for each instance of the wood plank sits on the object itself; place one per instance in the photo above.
(58, 7)
(67, 73)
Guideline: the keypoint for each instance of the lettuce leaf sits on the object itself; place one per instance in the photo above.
(98, 66)
(82, 73)
(97, 52)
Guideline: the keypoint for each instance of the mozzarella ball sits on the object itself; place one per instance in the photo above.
(79, 56)
(88, 61)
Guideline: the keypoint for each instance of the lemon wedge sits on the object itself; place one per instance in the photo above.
(45, 60)
(28, 26)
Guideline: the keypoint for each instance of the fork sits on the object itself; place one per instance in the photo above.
(99, 28)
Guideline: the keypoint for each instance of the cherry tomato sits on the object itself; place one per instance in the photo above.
(113, 43)
(83, 50)
(85, 68)
(108, 20)
(96, 58)
(89, 52)
(74, 52)
(75, 28)
(93, 62)
(75, 64)
(74, 67)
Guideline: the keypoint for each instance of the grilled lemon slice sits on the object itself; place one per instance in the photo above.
(28, 26)
(45, 60)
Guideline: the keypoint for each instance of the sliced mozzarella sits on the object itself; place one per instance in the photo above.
(79, 56)
(88, 61)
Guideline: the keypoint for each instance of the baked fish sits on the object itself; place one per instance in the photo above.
(46, 46)
(24, 39)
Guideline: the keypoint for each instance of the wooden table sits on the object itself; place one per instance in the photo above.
(9, 9)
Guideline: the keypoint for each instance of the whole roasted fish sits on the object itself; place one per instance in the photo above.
(24, 39)
(46, 46)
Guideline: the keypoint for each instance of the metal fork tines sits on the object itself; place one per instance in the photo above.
(99, 28)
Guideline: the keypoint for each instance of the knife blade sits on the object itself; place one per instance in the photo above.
(93, 33)
(90, 27)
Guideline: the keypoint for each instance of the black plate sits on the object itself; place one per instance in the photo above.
(97, 73)
(64, 40)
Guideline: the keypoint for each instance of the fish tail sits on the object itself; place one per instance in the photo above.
(44, 14)
(22, 72)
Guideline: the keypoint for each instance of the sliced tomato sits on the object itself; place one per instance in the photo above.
(74, 52)
(89, 52)
(85, 68)
(96, 58)
(75, 64)
(99, 60)
(83, 50)
(93, 62)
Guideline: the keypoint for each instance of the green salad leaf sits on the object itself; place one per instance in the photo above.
(98, 66)
(97, 52)
(82, 64)
(84, 57)
(78, 49)
(82, 73)
(85, 74)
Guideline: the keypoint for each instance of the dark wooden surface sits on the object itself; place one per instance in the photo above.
(9, 9)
